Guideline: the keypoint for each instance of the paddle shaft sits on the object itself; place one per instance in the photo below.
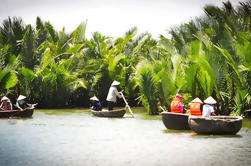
(127, 105)
(162, 109)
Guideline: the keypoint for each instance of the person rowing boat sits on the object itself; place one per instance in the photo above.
(22, 104)
(113, 94)
(208, 108)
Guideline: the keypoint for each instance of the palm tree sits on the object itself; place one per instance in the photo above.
(11, 32)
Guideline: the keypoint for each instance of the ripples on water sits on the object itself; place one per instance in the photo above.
(75, 137)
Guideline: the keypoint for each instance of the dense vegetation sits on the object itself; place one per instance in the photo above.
(210, 55)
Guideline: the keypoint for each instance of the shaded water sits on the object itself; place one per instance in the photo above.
(75, 137)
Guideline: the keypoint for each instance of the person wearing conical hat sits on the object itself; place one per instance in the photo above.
(6, 104)
(95, 104)
(21, 103)
(176, 105)
(113, 94)
(208, 108)
(196, 107)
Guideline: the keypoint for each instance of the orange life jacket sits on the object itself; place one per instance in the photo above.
(195, 109)
(175, 105)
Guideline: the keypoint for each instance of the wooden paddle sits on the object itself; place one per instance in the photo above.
(127, 105)
(162, 109)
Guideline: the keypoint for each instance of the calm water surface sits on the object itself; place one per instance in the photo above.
(76, 138)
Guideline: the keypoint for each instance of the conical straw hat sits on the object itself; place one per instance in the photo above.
(94, 98)
(21, 97)
(197, 100)
(210, 100)
(5, 98)
(114, 83)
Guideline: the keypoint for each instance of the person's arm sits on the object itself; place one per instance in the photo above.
(26, 105)
(117, 93)
(212, 111)
(213, 114)
(18, 106)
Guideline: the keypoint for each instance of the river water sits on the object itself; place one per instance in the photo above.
(77, 138)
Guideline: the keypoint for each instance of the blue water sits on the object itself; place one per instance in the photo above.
(77, 138)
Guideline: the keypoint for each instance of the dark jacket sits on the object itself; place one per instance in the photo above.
(96, 106)
(23, 104)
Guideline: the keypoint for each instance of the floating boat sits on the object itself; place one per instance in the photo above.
(175, 121)
(106, 113)
(215, 124)
(16, 113)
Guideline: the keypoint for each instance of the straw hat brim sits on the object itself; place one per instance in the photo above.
(94, 98)
(115, 83)
(5, 98)
(197, 100)
(21, 97)
(210, 100)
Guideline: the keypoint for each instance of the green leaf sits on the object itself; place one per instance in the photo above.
(28, 74)
(3, 73)
(10, 80)
(79, 33)
(74, 49)
(231, 62)
(47, 58)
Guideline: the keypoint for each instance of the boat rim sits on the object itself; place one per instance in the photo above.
(174, 113)
(217, 118)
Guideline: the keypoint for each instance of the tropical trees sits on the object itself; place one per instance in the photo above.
(205, 59)
(208, 56)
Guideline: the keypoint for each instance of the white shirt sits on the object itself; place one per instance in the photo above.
(207, 110)
(112, 94)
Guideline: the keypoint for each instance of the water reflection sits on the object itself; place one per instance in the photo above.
(76, 137)
(176, 131)
(214, 136)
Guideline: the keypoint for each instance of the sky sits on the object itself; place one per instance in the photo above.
(109, 17)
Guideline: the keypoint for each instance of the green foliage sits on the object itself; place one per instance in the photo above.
(208, 56)
(147, 87)
(79, 33)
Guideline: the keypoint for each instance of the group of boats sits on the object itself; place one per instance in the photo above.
(227, 125)
(174, 121)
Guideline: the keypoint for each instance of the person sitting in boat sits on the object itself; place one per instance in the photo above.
(6, 104)
(208, 108)
(113, 94)
(95, 104)
(196, 107)
(21, 103)
(176, 105)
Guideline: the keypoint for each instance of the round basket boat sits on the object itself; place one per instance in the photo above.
(175, 121)
(106, 113)
(17, 113)
(227, 125)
